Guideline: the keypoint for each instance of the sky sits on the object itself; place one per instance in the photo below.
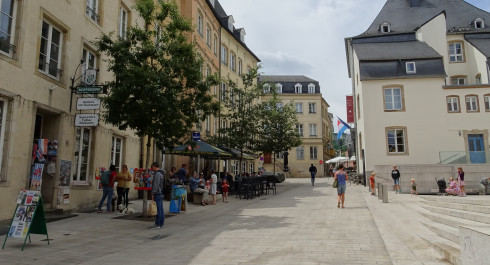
(306, 37)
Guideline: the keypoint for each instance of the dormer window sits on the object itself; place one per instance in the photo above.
(311, 89)
(231, 21)
(479, 23)
(242, 35)
(410, 66)
(267, 89)
(298, 88)
(279, 88)
(385, 27)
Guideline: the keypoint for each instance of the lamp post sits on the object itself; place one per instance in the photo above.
(73, 79)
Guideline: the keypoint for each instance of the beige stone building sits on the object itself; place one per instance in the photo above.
(40, 51)
(314, 124)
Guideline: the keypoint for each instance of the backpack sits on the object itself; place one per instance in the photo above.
(106, 177)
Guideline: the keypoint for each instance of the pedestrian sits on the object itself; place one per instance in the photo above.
(225, 188)
(213, 185)
(331, 170)
(107, 180)
(395, 174)
(157, 194)
(123, 182)
(372, 182)
(313, 174)
(413, 187)
(182, 174)
(461, 181)
(341, 177)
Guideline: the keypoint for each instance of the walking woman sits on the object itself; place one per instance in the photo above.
(123, 182)
(341, 177)
(461, 181)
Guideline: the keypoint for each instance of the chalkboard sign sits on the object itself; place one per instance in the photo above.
(28, 217)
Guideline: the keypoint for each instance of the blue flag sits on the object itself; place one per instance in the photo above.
(345, 127)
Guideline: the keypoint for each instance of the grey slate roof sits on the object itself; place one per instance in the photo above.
(395, 51)
(222, 17)
(403, 18)
(372, 70)
(481, 42)
(288, 82)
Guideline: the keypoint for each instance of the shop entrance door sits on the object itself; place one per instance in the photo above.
(47, 129)
(476, 149)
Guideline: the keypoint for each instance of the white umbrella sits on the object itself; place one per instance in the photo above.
(353, 158)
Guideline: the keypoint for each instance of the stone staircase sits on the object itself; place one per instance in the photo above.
(444, 215)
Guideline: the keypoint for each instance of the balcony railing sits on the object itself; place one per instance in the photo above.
(462, 157)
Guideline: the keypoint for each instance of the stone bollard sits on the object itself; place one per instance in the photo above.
(380, 191)
(385, 193)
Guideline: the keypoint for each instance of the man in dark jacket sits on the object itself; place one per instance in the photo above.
(157, 194)
(313, 174)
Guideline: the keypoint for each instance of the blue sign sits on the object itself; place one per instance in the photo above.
(196, 136)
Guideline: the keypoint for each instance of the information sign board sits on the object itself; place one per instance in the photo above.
(88, 104)
(86, 120)
(90, 89)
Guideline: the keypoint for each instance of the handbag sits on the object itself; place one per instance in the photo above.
(335, 184)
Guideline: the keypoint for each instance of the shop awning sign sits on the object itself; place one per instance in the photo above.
(90, 89)
(88, 104)
(86, 120)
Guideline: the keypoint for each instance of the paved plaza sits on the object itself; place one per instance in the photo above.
(299, 225)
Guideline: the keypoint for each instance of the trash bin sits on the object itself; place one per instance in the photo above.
(178, 192)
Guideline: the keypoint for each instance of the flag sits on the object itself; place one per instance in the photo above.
(345, 127)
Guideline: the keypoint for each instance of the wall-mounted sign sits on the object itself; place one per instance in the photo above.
(90, 89)
(196, 136)
(88, 104)
(86, 120)
(90, 76)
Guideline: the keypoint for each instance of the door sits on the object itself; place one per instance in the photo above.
(476, 148)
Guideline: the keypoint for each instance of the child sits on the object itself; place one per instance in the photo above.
(224, 188)
(371, 180)
(414, 187)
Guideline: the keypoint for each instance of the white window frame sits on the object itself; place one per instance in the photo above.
(479, 23)
(392, 98)
(411, 67)
(397, 143)
(300, 153)
(279, 105)
(48, 51)
(267, 88)
(385, 27)
(456, 52)
(299, 127)
(458, 81)
(313, 128)
(78, 162)
(471, 103)
(223, 91)
(208, 36)
(453, 104)
(279, 88)
(207, 124)
(251, 167)
(86, 53)
(92, 10)
(3, 121)
(298, 88)
(240, 67)
(311, 89)
(235, 167)
(233, 62)
(200, 23)
(313, 153)
(123, 22)
(224, 55)
(114, 154)
(299, 107)
(11, 28)
(487, 102)
(280, 155)
(215, 39)
(312, 108)
(244, 166)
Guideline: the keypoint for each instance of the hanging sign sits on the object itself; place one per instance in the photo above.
(90, 89)
(86, 120)
(88, 104)
(196, 136)
(90, 76)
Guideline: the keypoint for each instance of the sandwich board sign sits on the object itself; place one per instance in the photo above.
(28, 217)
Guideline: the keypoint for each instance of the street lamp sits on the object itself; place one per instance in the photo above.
(73, 79)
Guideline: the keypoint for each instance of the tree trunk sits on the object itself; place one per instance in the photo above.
(274, 154)
(147, 164)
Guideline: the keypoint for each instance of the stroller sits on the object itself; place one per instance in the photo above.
(441, 183)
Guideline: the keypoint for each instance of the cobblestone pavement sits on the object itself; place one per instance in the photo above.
(299, 225)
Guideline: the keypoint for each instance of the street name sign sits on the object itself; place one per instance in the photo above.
(90, 89)
(86, 120)
(88, 104)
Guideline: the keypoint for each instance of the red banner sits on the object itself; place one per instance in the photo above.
(350, 108)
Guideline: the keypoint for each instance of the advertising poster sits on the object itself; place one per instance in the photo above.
(60, 196)
(66, 195)
(65, 172)
(36, 177)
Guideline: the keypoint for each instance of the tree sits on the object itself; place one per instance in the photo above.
(278, 122)
(158, 88)
(240, 114)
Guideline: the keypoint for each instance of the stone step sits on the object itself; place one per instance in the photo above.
(450, 250)
(450, 221)
(483, 200)
(444, 231)
(477, 217)
(460, 206)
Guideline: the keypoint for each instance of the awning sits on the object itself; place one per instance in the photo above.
(201, 148)
(338, 159)
(353, 158)
(236, 153)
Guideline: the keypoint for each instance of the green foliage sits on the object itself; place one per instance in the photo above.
(158, 88)
(277, 125)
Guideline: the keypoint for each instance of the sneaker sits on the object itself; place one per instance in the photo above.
(154, 227)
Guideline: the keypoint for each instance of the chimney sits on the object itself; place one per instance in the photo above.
(414, 3)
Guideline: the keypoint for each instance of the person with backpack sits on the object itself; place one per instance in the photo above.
(157, 194)
(107, 181)
(313, 174)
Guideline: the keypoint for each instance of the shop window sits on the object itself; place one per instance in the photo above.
(116, 152)
(82, 154)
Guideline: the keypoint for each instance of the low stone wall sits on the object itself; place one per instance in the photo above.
(474, 243)
(425, 176)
